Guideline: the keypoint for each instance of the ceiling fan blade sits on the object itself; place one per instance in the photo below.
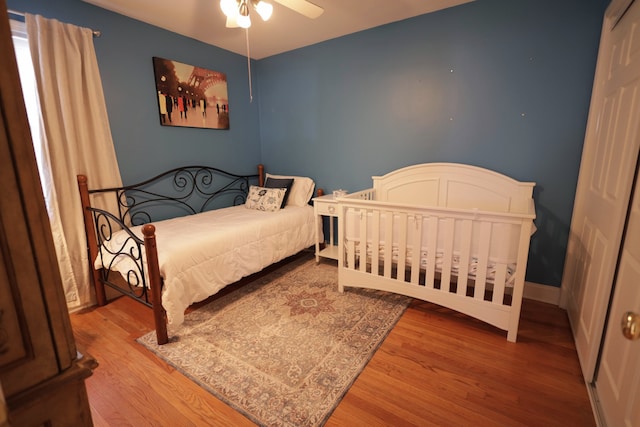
(303, 7)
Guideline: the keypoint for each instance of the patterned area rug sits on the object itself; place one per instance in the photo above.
(285, 348)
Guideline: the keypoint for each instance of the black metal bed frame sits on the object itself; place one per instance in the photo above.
(187, 190)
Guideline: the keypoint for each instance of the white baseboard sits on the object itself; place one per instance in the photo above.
(111, 294)
(77, 308)
(534, 291)
(542, 293)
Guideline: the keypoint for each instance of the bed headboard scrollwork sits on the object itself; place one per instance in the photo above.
(178, 192)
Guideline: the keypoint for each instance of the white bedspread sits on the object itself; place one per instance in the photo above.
(200, 254)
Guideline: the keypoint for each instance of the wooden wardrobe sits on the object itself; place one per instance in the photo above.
(41, 373)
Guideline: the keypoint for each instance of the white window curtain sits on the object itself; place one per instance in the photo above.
(75, 139)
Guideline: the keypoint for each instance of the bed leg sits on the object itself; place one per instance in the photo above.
(516, 307)
(161, 325)
(340, 284)
(155, 284)
(92, 241)
(101, 295)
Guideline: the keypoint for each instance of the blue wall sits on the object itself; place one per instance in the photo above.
(501, 84)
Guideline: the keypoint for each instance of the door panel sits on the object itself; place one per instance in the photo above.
(596, 245)
(26, 348)
(604, 186)
(618, 379)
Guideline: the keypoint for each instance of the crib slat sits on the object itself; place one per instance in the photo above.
(350, 259)
(483, 260)
(432, 245)
(402, 246)
(388, 243)
(499, 282)
(448, 225)
(351, 253)
(375, 242)
(417, 250)
(466, 233)
(364, 239)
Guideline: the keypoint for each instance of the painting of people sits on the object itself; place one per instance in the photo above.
(191, 96)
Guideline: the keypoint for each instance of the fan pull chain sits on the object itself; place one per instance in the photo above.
(249, 65)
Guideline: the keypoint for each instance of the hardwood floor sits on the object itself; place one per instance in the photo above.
(436, 367)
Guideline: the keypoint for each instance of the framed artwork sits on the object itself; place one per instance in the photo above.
(191, 96)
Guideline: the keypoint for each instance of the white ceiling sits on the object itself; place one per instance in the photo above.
(286, 30)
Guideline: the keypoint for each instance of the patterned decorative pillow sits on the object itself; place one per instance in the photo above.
(265, 199)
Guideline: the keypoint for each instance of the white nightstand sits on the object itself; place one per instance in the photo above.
(326, 206)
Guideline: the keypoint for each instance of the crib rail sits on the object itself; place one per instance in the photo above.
(368, 194)
(466, 260)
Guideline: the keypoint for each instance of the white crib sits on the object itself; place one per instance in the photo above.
(452, 234)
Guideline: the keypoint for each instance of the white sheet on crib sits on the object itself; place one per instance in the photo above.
(200, 254)
(439, 262)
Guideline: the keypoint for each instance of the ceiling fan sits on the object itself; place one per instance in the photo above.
(238, 11)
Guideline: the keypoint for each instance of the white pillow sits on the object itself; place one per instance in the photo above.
(301, 190)
(265, 199)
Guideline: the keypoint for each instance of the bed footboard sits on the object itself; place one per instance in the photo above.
(140, 283)
(111, 237)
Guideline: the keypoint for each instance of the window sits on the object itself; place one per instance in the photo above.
(29, 93)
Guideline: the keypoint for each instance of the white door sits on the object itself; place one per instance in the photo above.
(607, 169)
(618, 375)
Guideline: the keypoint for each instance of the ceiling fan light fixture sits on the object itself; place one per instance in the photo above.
(243, 8)
(232, 22)
(229, 7)
(264, 9)
(237, 11)
(243, 21)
